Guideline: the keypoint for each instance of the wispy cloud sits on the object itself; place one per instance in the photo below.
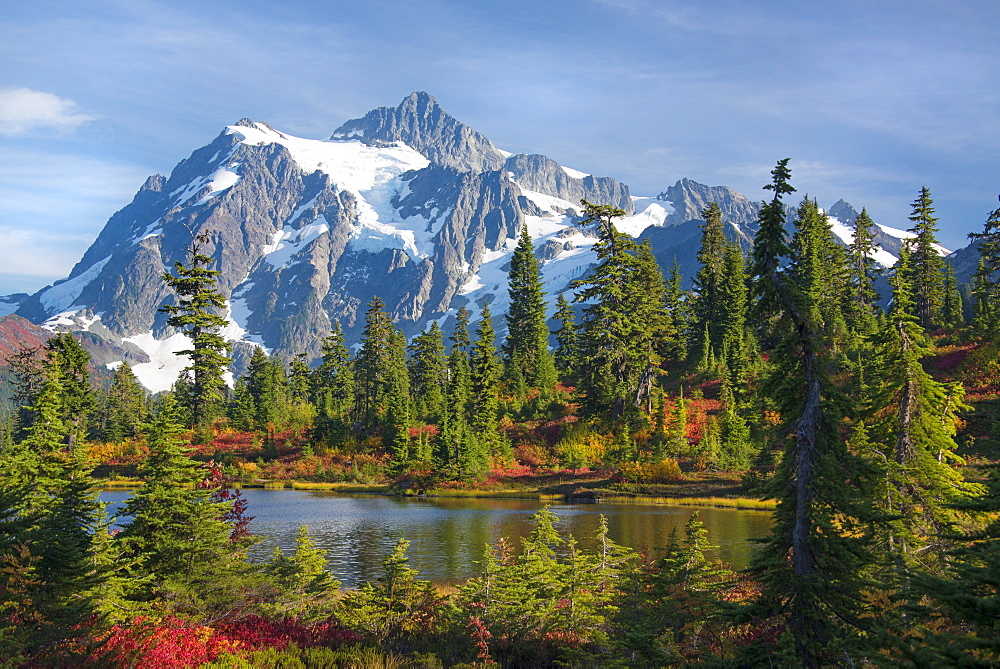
(23, 110)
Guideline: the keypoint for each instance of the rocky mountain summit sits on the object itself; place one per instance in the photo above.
(406, 203)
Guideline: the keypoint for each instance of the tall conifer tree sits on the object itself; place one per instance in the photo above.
(926, 272)
(198, 299)
(526, 347)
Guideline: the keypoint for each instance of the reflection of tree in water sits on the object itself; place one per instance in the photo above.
(448, 535)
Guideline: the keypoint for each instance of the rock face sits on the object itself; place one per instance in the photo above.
(406, 203)
(544, 175)
(420, 123)
(690, 197)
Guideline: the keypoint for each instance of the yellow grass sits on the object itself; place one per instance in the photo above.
(112, 484)
(718, 502)
(489, 494)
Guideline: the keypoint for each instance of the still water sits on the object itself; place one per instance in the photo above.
(448, 535)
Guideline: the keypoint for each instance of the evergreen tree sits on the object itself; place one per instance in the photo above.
(268, 386)
(769, 246)
(306, 588)
(456, 448)
(182, 555)
(527, 344)
(397, 409)
(708, 315)
(79, 401)
(952, 314)
(863, 273)
(624, 320)
(915, 416)
(967, 592)
(738, 347)
(197, 299)
(485, 376)
(333, 390)
(987, 280)
(567, 354)
(818, 268)
(810, 566)
(372, 366)
(123, 408)
(926, 272)
(428, 373)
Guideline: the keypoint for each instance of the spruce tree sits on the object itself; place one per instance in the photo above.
(911, 420)
(738, 345)
(485, 374)
(567, 354)
(708, 281)
(769, 246)
(987, 280)
(810, 566)
(926, 271)
(268, 386)
(333, 390)
(624, 321)
(428, 373)
(194, 313)
(79, 401)
(182, 555)
(124, 407)
(397, 404)
(863, 273)
(527, 345)
(371, 367)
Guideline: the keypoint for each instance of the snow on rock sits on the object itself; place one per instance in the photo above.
(571, 263)
(576, 174)
(164, 366)
(372, 174)
(289, 241)
(61, 296)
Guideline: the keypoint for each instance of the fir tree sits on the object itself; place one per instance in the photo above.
(624, 321)
(268, 386)
(333, 390)
(987, 280)
(398, 410)
(708, 316)
(810, 566)
(952, 314)
(372, 365)
(567, 354)
(526, 347)
(915, 417)
(78, 400)
(197, 298)
(769, 246)
(485, 376)
(926, 272)
(183, 556)
(123, 408)
(863, 273)
(738, 345)
(428, 373)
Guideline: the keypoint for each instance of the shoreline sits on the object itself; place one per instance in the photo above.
(571, 497)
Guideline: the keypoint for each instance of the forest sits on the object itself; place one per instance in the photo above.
(869, 422)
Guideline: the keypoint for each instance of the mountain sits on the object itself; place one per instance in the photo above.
(406, 203)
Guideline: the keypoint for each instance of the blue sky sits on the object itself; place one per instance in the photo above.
(871, 99)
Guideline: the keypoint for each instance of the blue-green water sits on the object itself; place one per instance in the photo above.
(448, 535)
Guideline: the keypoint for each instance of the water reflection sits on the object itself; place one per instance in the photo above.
(448, 535)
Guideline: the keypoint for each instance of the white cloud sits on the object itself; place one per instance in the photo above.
(23, 110)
